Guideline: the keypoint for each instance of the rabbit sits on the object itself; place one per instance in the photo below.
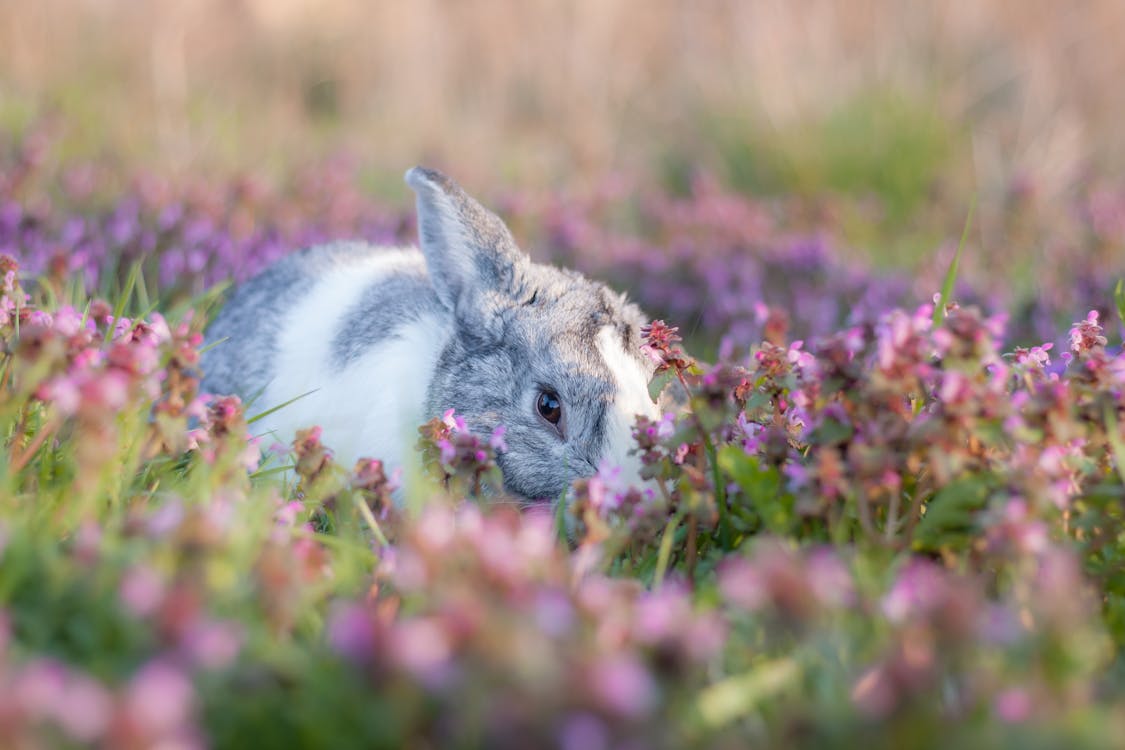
(383, 339)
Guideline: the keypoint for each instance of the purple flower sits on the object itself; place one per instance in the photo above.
(583, 732)
(351, 631)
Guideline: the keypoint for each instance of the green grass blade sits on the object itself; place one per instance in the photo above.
(263, 473)
(1116, 444)
(951, 274)
(268, 412)
(665, 551)
(1119, 299)
(213, 344)
(144, 299)
(123, 300)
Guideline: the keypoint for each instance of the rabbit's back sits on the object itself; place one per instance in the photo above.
(349, 330)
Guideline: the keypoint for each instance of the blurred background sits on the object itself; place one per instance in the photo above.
(775, 95)
(880, 121)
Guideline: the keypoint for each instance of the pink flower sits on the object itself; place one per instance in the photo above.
(1036, 357)
(142, 590)
(829, 578)
(741, 584)
(1013, 706)
(212, 644)
(421, 647)
(553, 613)
(919, 587)
(84, 709)
(622, 685)
(40, 687)
(448, 452)
(68, 321)
(660, 614)
(1087, 334)
(453, 421)
(159, 698)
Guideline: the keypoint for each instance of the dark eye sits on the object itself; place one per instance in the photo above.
(549, 406)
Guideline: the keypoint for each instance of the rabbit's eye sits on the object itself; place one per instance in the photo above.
(549, 406)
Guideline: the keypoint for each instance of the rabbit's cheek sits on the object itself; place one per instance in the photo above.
(631, 399)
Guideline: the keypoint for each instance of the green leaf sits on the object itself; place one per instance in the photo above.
(658, 383)
(951, 512)
(831, 432)
(760, 486)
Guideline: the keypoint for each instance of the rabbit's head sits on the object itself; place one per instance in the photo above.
(549, 354)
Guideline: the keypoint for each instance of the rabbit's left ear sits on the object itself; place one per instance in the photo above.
(469, 251)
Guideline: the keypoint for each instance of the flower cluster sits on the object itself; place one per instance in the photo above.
(492, 599)
(736, 268)
(462, 461)
(859, 521)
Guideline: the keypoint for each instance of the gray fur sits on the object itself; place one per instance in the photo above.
(242, 339)
(382, 309)
(545, 344)
(516, 327)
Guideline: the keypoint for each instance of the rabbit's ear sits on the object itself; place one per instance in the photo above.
(469, 251)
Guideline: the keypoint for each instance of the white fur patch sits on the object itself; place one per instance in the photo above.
(373, 406)
(631, 399)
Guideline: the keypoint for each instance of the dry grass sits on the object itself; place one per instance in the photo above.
(540, 90)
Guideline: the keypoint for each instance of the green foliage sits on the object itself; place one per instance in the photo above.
(887, 144)
(950, 520)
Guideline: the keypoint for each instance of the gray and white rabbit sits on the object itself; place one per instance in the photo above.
(387, 338)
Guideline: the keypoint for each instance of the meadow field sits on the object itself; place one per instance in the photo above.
(883, 246)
